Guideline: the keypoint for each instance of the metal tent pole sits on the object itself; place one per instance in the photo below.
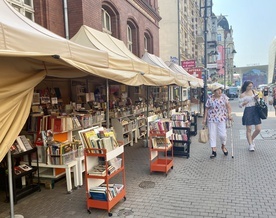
(10, 168)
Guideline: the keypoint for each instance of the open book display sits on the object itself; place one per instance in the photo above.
(98, 139)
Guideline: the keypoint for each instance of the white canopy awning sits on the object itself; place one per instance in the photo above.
(180, 79)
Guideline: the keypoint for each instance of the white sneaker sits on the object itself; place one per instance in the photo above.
(252, 147)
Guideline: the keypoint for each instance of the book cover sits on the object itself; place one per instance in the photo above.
(56, 124)
(107, 144)
(154, 143)
(25, 167)
(20, 144)
(26, 142)
(36, 98)
(87, 136)
(93, 141)
(17, 170)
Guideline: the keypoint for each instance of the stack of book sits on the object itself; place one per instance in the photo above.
(101, 193)
(160, 126)
(100, 170)
(160, 142)
(21, 168)
(99, 139)
(180, 134)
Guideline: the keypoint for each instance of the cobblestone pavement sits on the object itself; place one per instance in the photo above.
(243, 186)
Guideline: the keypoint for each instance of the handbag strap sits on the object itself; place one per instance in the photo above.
(254, 96)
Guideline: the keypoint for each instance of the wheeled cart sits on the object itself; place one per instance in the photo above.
(100, 192)
(160, 144)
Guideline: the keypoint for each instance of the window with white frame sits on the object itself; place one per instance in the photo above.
(106, 22)
(146, 43)
(25, 7)
(129, 38)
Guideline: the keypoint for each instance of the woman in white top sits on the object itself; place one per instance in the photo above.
(250, 116)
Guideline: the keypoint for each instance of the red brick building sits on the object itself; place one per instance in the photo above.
(134, 22)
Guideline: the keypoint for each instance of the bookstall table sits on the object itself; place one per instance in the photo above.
(47, 171)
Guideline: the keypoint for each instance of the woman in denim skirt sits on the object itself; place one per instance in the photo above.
(250, 116)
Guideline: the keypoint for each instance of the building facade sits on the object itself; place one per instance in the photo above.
(226, 51)
(272, 62)
(181, 31)
(135, 22)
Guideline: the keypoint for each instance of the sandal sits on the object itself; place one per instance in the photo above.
(224, 150)
(213, 155)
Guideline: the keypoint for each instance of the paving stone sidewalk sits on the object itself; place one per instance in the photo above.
(243, 186)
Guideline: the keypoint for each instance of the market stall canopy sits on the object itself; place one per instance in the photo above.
(180, 79)
(121, 58)
(194, 82)
(20, 35)
(29, 53)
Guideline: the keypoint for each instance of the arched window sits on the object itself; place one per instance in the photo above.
(132, 37)
(148, 42)
(129, 38)
(25, 7)
(106, 22)
(110, 18)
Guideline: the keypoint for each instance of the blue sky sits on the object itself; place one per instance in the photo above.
(254, 27)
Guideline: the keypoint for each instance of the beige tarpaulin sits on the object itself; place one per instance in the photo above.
(180, 79)
(121, 57)
(194, 82)
(26, 51)
(19, 34)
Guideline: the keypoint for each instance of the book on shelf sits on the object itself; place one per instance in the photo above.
(160, 142)
(90, 96)
(56, 124)
(54, 100)
(25, 167)
(36, 99)
(98, 194)
(17, 170)
(102, 193)
(113, 138)
(107, 143)
(86, 137)
(23, 143)
(98, 170)
(76, 123)
(45, 100)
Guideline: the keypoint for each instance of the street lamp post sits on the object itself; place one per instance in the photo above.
(224, 65)
(226, 62)
(207, 5)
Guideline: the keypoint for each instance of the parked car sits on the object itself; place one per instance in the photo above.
(232, 92)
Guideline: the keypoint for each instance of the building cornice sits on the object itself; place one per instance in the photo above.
(145, 9)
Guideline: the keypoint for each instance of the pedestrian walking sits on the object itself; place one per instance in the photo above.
(217, 111)
(274, 99)
(250, 116)
(265, 94)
